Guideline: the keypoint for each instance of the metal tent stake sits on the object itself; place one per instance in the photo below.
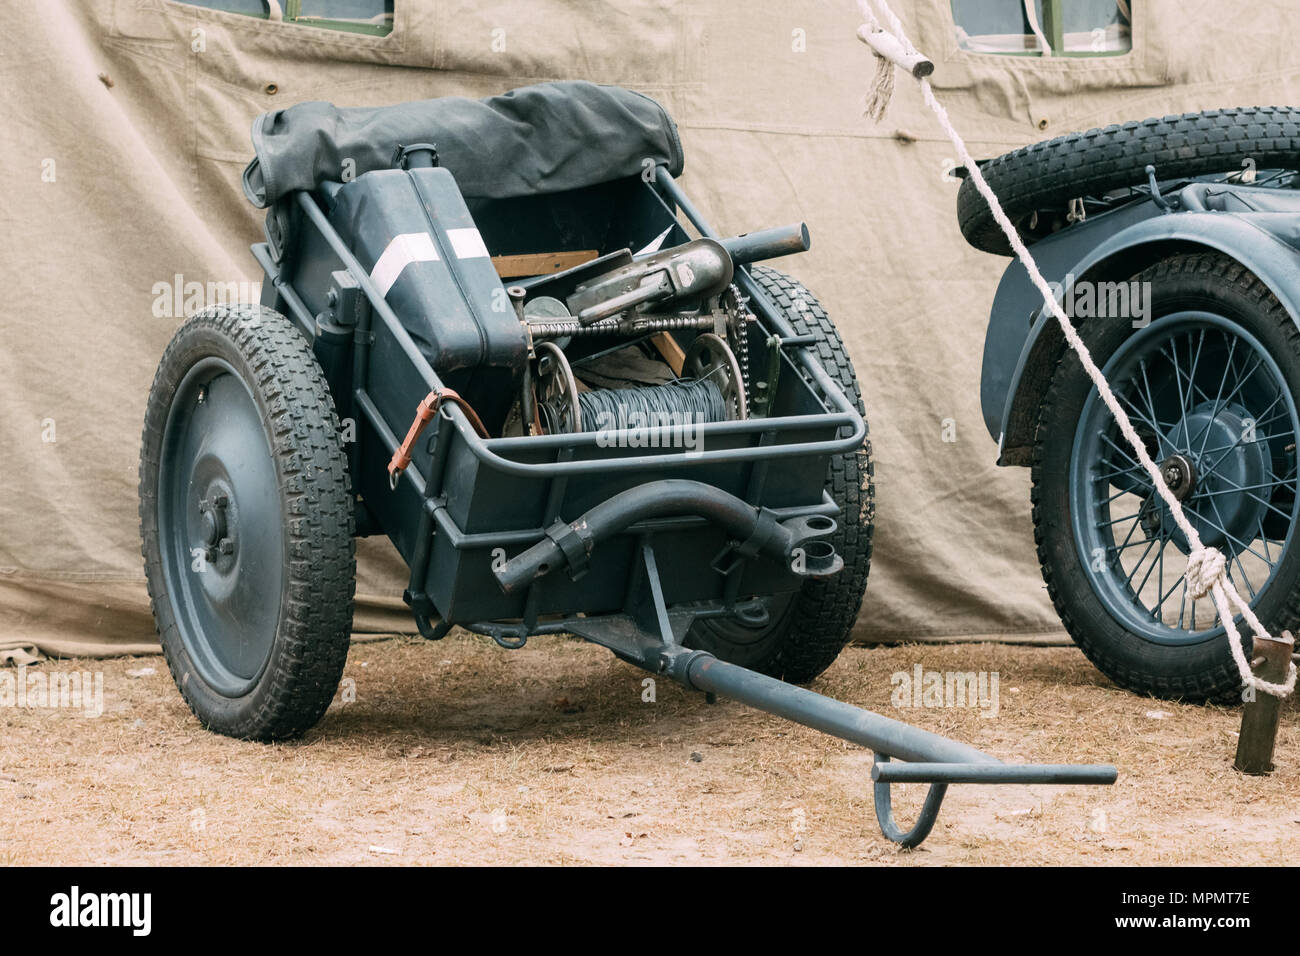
(1260, 716)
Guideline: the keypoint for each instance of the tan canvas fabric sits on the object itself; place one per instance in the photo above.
(140, 109)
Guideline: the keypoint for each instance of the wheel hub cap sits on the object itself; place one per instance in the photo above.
(214, 532)
(1208, 475)
(221, 527)
(1180, 475)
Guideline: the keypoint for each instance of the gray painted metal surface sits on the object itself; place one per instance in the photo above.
(660, 539)
(1258, 226)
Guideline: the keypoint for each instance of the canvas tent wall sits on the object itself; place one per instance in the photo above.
(126, 126)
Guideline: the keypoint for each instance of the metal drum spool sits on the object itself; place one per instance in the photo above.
(711, 390)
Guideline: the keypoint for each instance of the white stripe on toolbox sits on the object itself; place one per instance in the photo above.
(467, 243)
(401, 252)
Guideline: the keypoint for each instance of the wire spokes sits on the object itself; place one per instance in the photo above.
(1212, 401)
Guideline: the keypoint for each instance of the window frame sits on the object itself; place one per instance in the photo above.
(292, 14)
(1053, 27)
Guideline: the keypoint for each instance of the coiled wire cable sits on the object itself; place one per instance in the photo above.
(676, 404)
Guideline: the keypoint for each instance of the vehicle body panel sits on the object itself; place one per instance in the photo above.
(465, 501)
(1259, 227)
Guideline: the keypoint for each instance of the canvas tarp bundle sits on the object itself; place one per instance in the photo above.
(547, 137)
(123, 209)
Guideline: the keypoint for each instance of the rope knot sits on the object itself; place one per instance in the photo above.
(1205, 568)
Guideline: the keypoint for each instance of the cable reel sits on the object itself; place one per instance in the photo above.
(711, 386)
(710, 390)
(710, 359)
(558, 411)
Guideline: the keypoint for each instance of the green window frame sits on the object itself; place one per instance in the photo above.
(1052, 21)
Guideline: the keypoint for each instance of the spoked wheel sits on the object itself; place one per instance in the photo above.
(1210, 386)
(246, 515)
(797, 636)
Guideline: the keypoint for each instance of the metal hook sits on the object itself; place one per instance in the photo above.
(1154, 186)
(924, 820)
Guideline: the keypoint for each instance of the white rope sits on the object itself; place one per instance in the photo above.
(1206, 567)
(881, 90)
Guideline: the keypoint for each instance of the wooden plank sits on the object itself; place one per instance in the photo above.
(540, 263)
(1262, 713)
(670, 350)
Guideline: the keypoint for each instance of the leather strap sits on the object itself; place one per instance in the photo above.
(423, 415)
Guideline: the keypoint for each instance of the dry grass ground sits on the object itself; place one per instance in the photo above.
(458, 753)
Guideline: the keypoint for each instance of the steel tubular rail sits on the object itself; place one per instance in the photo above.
(667, 498)
(879, 734)
(1063, 773)
(932, 759)
(487, 450)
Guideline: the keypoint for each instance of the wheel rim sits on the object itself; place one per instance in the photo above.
(1214, 410)
(220, 527)
(744, 631)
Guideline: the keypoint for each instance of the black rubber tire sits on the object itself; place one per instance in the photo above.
(310, 645)
(811, 630)
(1199, 672)
(1044, 177)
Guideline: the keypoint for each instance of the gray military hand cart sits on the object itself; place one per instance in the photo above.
(661, 451)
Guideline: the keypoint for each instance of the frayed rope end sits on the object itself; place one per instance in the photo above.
(881, 90)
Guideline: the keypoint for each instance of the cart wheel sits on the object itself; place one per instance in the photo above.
(1210, 385)
(246, 521)
(806, 631)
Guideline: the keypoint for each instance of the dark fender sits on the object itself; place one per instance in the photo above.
(1024, 342)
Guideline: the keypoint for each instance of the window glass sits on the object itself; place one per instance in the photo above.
(357, 16)
(1044, 27)
(253, 8)
(375, 13)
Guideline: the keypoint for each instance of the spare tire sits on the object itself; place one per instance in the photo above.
(1044, 177)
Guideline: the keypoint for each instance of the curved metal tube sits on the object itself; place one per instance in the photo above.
(925, 820)
(655, 499)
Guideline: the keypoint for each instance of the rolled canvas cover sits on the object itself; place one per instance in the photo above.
(547, 137)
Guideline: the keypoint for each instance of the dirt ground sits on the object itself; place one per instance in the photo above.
(463, 753)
